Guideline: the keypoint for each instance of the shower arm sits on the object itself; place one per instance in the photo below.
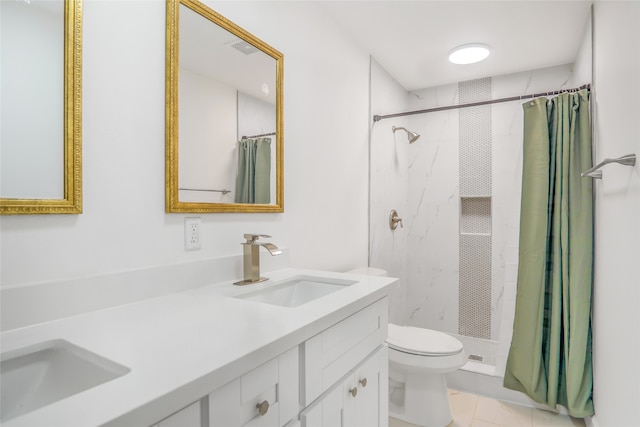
(412, 136)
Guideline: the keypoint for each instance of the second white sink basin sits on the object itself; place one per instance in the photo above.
(297, 291)
(38, 375)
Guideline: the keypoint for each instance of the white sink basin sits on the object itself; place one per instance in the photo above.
(38, 375)
(297, 291)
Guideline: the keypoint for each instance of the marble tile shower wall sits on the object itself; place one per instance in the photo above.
(433, 208)
(431, 219)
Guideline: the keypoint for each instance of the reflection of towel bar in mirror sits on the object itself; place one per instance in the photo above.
(594, 172)
(258, 136)
(213, 191)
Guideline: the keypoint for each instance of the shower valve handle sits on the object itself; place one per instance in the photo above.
(394, 219)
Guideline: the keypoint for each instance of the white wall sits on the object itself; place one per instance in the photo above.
(124, 226)
(207, 135)
(389, 170)
(583, 64)
(616, 301)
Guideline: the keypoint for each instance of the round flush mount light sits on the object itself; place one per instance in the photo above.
(469, 53)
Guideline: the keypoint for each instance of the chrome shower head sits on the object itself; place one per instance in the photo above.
(412, 136)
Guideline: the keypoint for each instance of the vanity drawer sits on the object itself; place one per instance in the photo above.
(328, 356)
(275, 382)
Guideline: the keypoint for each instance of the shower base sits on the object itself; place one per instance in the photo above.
(482, 374)
(481, 379)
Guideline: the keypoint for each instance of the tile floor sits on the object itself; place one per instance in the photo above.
(469, 410)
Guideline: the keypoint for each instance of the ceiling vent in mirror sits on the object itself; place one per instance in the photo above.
(244, 47)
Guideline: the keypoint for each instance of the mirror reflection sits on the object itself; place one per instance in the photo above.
(227, 143)
(40, 106)
(32, 86)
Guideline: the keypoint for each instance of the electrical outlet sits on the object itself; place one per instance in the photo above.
(192, 234)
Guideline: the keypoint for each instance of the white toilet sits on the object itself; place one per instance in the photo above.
(418, 360)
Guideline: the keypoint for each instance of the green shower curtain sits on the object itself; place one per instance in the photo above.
(550, 354)
(253, 182)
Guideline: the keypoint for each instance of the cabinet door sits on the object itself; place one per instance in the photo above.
(360, 400)
(328, 411)
(333, 353)
(369, 383)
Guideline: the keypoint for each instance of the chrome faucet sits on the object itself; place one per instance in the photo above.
(251, 258)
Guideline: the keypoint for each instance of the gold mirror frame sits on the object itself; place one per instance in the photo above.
(72, 201)
(172, 203)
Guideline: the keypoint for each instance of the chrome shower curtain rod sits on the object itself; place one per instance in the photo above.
(476, 104)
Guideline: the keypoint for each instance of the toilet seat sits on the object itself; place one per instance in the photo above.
(422, 342)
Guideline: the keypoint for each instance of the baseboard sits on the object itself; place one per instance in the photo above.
(591, 421)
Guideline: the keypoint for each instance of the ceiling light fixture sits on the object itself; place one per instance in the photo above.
(469, 53)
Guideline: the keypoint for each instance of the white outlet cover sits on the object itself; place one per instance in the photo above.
(192, 234)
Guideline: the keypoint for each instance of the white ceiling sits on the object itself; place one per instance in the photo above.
(207, 49)
(412, 39)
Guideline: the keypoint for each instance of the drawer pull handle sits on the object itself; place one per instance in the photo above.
(263, 408)
(363, 382)
(354, 391)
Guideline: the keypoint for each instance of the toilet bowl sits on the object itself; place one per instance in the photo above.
(418, 360)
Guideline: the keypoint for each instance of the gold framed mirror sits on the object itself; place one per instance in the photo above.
(41, 107)
(224, 115)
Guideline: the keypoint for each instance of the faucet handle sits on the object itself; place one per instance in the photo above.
(251, 238)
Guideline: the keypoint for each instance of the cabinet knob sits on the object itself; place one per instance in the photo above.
(363, 382)
(263, 408)
(354, 391)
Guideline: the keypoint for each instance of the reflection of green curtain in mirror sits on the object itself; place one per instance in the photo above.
(254, 171)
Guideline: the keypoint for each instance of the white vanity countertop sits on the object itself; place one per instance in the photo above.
(182, 346)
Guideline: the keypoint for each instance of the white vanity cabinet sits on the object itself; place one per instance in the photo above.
(345, 381)
(360, 400)
(266, 396)
(366, 392)
(338, 377)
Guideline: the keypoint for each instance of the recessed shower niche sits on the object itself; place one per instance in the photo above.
(475, 215)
